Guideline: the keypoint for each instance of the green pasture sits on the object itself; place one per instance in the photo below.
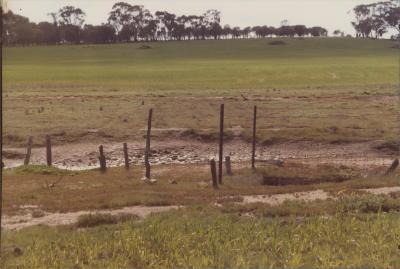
(200, 67)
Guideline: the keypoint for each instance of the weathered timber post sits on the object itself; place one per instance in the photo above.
(126, 157)
(1, 124)
(28, 151)
(228, 165)
(253, 154)
(221, 143)
(48, 151)
(393, 167)
(213, 167)
(147, 151)
(102, 159)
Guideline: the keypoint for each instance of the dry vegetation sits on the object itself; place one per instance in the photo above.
(56, 190)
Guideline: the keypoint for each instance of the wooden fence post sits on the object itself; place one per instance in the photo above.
(48, 151)
(393, 167)
(213, 167)
(28, 151)
(1, 124)
(126, 157)
(102, 159)
(147, 151)
(228, 165)
(253, 154)
(221, 143)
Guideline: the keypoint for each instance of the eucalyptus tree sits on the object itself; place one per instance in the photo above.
(70, 22)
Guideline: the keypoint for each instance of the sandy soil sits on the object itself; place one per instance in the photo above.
(384, 190)
(81, 156)
(278, 199)
(54, 219)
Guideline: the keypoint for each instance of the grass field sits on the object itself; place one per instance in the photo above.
(323, 90)
(199, 68)
(309, 89)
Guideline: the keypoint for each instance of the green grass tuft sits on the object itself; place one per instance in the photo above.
(40, 170)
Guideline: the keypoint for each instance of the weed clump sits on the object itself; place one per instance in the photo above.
(296, 175)
(41, 170)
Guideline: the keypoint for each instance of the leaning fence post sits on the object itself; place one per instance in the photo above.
(48, 150)
(221, 143)
(213, 167)
(253, 155)
(28, 151)
(147, 151)
(393, 167)
(228, 165)
(126, 158)
(102, 159)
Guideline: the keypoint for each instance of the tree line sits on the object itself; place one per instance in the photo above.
(132, 23)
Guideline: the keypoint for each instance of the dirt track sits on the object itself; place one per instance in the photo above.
(54, 219)
(81, 156)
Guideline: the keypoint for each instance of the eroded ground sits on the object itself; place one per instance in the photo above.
(81, 156)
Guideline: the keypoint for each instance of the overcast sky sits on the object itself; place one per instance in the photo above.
(331, 14)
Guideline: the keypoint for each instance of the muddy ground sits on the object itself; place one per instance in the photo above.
(82, 156)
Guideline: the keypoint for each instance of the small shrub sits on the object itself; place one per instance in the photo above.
(277, 43)
(92, 220)
(145, 47)
(38, 214)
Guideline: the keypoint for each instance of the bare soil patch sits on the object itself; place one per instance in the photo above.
(277, 199)
(82, 156)
(54, 219)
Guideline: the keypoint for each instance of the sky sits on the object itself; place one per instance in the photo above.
(331, 14)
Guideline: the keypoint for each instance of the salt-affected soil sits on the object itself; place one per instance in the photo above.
(82, 156)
